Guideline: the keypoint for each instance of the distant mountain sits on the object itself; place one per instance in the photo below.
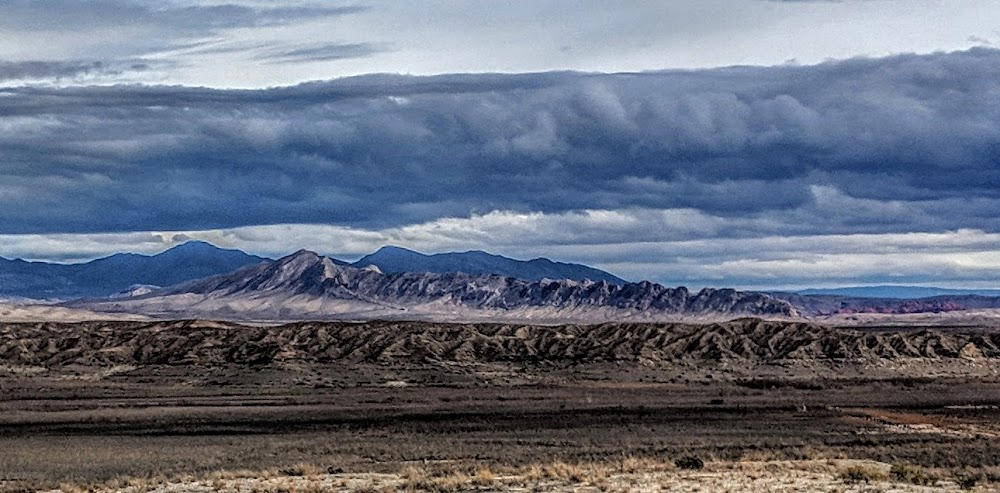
(898, 292)
(307, 286)
(21, 279)
(826, 304)
(119, 272)
(394, 260)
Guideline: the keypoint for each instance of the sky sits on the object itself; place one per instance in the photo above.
(756, 144)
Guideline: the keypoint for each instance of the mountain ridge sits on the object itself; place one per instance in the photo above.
(117, 272)
(393, 259)
(193, 260)
(305, 285)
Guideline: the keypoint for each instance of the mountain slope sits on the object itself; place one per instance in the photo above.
(307, 286)
(102, 277)
(23, 279)
(393, 260)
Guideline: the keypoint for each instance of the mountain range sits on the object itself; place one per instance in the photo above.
(129, 273)
(201, 280)
(305, 285)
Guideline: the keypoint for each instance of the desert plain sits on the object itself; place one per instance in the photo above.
(746, 405)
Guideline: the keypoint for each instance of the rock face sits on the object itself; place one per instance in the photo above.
(752, 341)
(307, 286)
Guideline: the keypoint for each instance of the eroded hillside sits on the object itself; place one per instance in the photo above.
(215, 343)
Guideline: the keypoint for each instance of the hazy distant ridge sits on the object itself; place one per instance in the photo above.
(897, 292)
(118, 272)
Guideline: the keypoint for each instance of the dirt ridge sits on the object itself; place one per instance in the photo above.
(216, 343)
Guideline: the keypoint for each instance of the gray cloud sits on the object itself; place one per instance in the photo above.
(900, 144)
(58, 71)
(174, 34)
(325, 52)
(74, 16)
(41, 69)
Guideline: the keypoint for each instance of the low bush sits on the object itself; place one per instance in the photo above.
(862, 474)
(689, 462)
(904, 473)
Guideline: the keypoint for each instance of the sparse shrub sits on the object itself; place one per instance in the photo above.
(410, 472)
(862, 474)
(532, 472)
(415, 479)
(563, 471)
(635, 465)
(911, 474)
(18, 487)
(368, 487)
(967, 482)
(690, 462)
(302, 470)
(311, 487)
(412, 477)
(484, 477)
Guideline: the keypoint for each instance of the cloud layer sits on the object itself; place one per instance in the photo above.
(900, 144)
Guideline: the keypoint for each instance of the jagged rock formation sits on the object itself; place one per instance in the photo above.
(752, 341)
(307, 286)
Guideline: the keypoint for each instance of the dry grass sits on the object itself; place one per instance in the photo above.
(303, 469)
(907, 473)
(626, 474)
(865, 473)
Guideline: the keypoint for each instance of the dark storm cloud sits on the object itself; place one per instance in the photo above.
(906, 143)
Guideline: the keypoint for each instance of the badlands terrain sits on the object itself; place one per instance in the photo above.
(743, 405)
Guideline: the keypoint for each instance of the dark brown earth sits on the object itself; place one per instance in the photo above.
(93, 401)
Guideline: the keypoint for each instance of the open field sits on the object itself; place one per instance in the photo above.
(89, 413)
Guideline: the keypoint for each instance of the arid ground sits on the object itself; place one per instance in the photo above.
(762, 406)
